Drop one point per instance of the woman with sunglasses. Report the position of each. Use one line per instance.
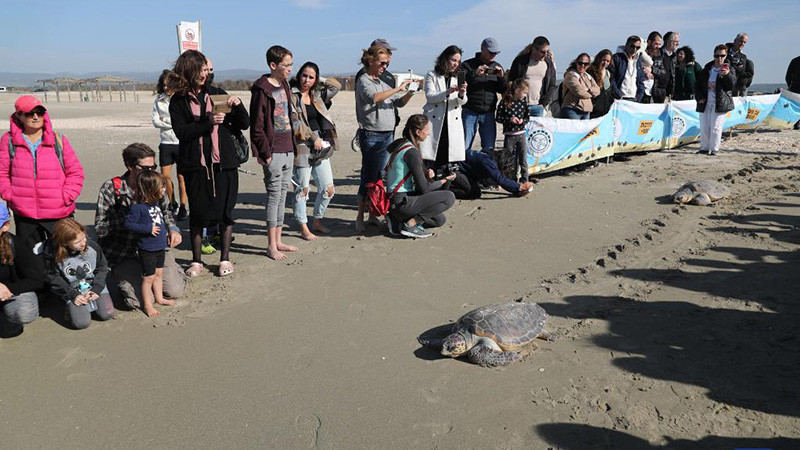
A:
(40, 175)
(207, 156)
(375, 104)
(579, 88)
(713, 92)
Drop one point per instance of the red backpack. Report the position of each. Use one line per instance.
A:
(377, 200)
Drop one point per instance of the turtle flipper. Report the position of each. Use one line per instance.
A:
(486, 356)
(702, 199)
(549, 336)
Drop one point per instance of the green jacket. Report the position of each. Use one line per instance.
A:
(685, 78)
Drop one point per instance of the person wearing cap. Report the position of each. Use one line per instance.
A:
(19, 280)
(385, 76)
(44, 179)
(484, 78)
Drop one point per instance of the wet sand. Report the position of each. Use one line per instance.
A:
(679, 322)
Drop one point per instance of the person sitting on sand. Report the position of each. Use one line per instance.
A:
(77, 270)
(316, 141)
(120, 246)
(418, 200)
(145, 219)
(19, 280)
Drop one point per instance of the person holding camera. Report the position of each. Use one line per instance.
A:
(418, 200)
(714, 95)
(445, 92)
(484, 78)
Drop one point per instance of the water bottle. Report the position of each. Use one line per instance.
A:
(84, 287)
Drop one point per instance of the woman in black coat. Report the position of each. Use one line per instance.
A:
(714, 94)
(207, 156)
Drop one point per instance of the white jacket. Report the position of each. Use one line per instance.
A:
(162, 120)
(436, 95)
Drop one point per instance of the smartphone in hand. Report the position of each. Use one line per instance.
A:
(462, 77)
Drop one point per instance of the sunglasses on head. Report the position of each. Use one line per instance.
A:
(153, 167)
(36, 112)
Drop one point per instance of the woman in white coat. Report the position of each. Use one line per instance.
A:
(445, 97)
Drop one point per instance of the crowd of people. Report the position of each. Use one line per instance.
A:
(293, 137)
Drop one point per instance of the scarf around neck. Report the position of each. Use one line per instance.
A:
(194, 102)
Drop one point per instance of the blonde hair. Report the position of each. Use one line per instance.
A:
(371, 55)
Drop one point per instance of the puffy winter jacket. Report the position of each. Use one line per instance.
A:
(724, 90)
(40, 189)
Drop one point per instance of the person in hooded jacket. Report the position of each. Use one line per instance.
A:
(19, 304)
(40, 175)
(714, 95)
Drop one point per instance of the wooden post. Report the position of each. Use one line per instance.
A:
(120, 92)
(110, 98)
(135, 93)
(124, 91)
(58, 94)
(44, 86)
(69, 92)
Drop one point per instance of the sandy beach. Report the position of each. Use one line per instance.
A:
(679, 323)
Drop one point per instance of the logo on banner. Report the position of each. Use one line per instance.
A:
(752, 114)
(595, 132)
(540, 141)
(678, 126)
(644, 126)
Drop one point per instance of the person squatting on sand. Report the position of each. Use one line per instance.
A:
(168, 147)
(376, 103)
(40, 175)
(20, 278)
(445, 94)
(579, 89)
(714, 94)
(145, 219)
(207, 157)
(76, 271)
(478, 169)
(316, 141)
(120, 246)
(419, 201)
(272, 126)
(513, 114)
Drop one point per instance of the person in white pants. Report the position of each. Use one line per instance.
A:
(714, 95)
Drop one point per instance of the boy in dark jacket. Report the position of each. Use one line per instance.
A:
(272, 135)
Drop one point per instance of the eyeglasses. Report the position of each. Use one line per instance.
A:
(153, 167)
(582, 63)
(720, 56)
(35, 112)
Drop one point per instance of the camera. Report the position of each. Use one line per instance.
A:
(491, 71)
(446, 170)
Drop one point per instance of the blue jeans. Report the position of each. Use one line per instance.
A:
(536, 110)
(484, 124)
(323, 177)
(374, 156)
(572, 113)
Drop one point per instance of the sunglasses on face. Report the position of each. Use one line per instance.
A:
(35, 112)
(141, 167)
(582, 63)
(384, 63)
(636, 47)
(720, 56)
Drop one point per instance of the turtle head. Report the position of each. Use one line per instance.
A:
(682, 196)
(455, 345)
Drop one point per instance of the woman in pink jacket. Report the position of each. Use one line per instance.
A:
(40, 175)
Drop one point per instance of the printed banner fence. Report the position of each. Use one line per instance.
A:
(555, 144)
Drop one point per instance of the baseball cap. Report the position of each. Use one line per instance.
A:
(382, 43)
(27, 103)
(491, 44)
(4, 216)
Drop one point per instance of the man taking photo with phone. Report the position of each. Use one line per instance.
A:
(484, 77)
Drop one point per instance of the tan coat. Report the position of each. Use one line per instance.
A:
(579, 90)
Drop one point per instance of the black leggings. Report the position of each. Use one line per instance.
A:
(427, 209)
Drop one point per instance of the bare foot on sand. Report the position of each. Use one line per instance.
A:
(360, 227)
(306, 234)
(166, 302)
(319, 227)
(287, 248)
(151, 312)
(275, 254)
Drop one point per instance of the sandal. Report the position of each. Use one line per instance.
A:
(225, 268)
(195, 269)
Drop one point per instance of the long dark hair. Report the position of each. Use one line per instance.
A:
(594, 67)
(441, 61)
(6, 254)
(414, 124)
(188, 68)
(296, 80)
(574, 64)
(687, 52)
(165, 80)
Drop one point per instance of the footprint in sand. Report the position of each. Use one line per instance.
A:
(434, 429)
(357, 310)
(308, 427)
(303, 359)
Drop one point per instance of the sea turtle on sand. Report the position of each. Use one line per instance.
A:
(703, 193)
(494, 334)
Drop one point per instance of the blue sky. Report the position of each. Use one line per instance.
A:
(89, 36)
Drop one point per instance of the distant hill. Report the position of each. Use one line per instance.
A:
(9, 79)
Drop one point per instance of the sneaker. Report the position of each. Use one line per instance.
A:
(206, 248)
(173, 207)
(702, 152)
(183, 214)
(713, 153)
(394, 225)
(415, 232)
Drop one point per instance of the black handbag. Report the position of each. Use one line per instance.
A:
(242, 147)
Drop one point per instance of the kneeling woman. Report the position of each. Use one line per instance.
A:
(416, 200)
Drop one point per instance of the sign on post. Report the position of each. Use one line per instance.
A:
(189, 36)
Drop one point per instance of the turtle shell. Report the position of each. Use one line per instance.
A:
(714, 189)
(511, 325)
